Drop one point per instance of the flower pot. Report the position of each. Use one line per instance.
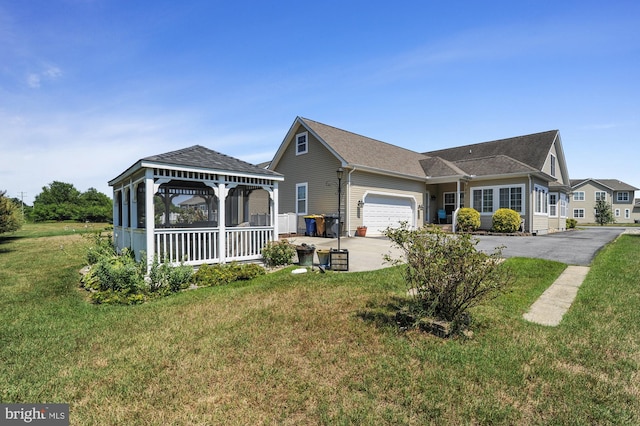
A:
(305, 255)
(361, 231)
(323, 257)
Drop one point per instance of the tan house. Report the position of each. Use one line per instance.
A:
(620, 195)
(385, 184)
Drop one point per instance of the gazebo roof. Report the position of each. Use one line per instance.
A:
(200, 158)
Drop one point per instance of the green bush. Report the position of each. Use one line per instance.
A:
(163, 277)
(446, 273)
(468, 219)
(506, 220)
(278, 253)
(101, 246)
(118, 273)
(215, 275)
(571, 223)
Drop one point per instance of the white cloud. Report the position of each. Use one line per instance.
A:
(48, 73)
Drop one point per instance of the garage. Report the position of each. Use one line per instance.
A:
(382, 211)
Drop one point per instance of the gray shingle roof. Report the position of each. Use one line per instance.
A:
(528, 149)
(498, 164)
(202, 157)
(613, 184)
(363, 151)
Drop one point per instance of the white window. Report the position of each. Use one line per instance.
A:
(578, 196)
(487, 200)
(483, 200)
(511, 198)
(617, 212)
(563, 205)
(627, 214)
(553, 165)
(578, 213)
(301, 198)
(541, 199)
(302, 143)
(623, 196)
(553, 205)
(601, 196)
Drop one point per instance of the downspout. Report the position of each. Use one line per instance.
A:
(530, 210)
(348, 207)
(454, 217)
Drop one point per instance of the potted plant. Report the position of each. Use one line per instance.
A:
(361, 231)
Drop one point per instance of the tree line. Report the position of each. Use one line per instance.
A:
(58, 201)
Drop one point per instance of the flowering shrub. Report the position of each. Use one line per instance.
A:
(278, 253)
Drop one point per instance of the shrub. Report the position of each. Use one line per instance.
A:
(118, 273)
(165, 277)
(278, 253)
(101, 246)
(571, 223)
(506, 220)
(468, 219)
(214, 275)
(447, 274)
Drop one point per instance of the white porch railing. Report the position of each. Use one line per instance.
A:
(195, 246)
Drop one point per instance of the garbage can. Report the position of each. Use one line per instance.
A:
(310, 222)
(305, 254)
(331, 225)
(320, 229)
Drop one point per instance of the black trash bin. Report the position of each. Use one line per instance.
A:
(331, 225)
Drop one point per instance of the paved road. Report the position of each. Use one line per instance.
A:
(577, 247)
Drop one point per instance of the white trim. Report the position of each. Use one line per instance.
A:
(306, 143)
(496, 197)
(541, 205)
(575, 198)
(414, 204)
(553, 164)
(576, 211)
(304, 185)
(553, 206)
(622, 199)
(595, 195)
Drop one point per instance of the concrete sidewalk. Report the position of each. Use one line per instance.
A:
(556, 300)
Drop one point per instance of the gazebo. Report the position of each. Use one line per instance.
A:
(196, 206)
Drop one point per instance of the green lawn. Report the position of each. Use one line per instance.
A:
(314, 348)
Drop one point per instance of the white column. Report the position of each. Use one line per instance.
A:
(275, 211)
(222, 227)
(149, 216)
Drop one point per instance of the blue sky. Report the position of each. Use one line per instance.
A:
(87, 87)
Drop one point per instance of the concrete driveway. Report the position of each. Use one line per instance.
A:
(577, 247)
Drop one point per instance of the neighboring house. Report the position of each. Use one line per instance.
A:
(228, 191)
(620, 195)
(385, 184)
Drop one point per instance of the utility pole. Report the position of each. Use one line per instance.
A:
(22, 194)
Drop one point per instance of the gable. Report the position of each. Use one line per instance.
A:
(528, 149)
(354, 150)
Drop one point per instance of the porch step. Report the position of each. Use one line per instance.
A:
(444, 228)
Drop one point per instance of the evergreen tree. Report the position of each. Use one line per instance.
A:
(604, 213)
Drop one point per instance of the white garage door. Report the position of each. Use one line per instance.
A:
(381, 211)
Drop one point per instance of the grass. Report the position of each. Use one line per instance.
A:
(315, 348)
